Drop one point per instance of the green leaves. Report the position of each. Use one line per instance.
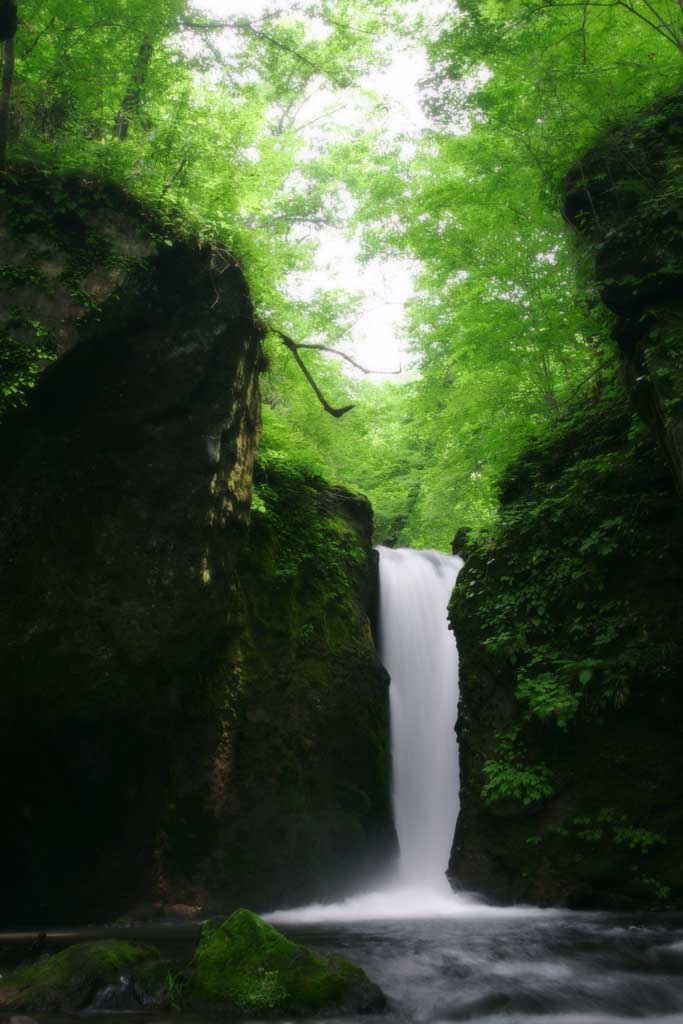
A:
(512, 776)
(568, 595)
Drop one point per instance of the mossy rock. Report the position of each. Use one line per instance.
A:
(107, 975)
(243, 965)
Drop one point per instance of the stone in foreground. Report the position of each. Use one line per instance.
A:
(108, 975)
(243, 965)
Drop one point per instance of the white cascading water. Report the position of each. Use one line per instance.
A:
(421, 656)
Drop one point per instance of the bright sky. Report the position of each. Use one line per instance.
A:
(386, 285)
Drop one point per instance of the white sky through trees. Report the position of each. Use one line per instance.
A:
(386, 284)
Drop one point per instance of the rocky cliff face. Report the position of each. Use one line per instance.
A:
(570, 632)
(300, 806)
(568, 617)
(626, 199)
(158, 715)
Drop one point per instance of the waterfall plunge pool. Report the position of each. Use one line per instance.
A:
(518, 967)
(441, 956)
(445, 956)
(489, 966)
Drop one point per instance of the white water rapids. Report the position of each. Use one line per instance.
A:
(421, 656)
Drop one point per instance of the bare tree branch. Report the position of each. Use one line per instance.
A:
(295, 346)
(343, 355)
(37, 36)
(294, 349)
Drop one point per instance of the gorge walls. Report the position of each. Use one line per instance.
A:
(625, 197)
(570, 633)
(166, 666)
(568, 616)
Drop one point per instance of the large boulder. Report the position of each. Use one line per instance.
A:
(244, 966)
(106, 975)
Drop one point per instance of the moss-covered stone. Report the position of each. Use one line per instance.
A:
(67, 244)
(625, 196)
(297, 801)
(568, 615)
(243, 965)
(569, 619)
(313, 702)
(109, 974)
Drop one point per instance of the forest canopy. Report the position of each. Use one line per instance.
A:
(260, 133)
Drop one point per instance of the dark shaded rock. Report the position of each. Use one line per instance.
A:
(193, 710)
(296, 806)
(569, 624)
(461, 542)
(106, 975)
(121, 996)
(126, 485)
(23, 951)
(625, 198)
(243, 966)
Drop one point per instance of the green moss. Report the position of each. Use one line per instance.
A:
(243, 962)
(310, 551)
(55, 212)
(305, 693)
(69, 980)
(570, 630)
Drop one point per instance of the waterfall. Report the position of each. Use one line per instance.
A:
(421, 656)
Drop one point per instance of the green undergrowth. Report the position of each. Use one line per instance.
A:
(59, 231)
(573, 601)
(566, 611)
(311, 553)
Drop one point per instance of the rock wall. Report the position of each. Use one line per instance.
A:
(625, 197)
(164, 685)
(570, 629)
(296, 799)
(568, 616)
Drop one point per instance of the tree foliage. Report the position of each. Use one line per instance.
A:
(229, 127)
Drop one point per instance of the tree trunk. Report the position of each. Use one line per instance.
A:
(6, 97)
(133, 98)
(8, 19)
